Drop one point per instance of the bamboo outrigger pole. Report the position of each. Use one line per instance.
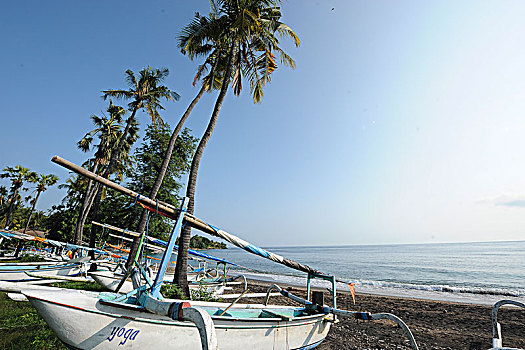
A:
(172, 212)
(164, 244)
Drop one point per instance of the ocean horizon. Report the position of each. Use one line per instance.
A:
(471, 272)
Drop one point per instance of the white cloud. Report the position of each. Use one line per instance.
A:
(506, 199)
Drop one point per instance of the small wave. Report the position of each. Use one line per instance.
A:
(384, 286)
(444, 288)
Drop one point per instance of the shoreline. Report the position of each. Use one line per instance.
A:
(436, 325)
(464, 297)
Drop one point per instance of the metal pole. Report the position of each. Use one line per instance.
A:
(155, 290)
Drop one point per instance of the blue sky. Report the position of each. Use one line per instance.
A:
(402, 123)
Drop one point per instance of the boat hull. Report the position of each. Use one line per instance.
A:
(18, 273)
(83, 322)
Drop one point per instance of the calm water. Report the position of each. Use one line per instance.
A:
(454, 271)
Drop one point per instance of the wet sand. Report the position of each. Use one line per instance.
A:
(435, 324)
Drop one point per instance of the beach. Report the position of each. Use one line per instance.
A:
(436, 325)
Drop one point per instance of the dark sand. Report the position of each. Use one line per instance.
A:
(435, 324)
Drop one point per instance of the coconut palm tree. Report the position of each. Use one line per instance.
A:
(75, 187)
(18, 175)
(249, 29)
(108, 131)
(146, 93)
(44, 181)
(210, 75)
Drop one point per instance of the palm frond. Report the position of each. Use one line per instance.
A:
(117, 94)
(130, 78)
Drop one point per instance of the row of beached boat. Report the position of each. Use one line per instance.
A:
(136, 315)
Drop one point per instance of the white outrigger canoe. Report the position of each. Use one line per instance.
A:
(82, 321)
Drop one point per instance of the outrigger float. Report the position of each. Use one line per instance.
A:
(144, 319)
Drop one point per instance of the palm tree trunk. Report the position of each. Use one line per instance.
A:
(11, 205)
(79, 229)
(95, 217)
(84, 212)
(162, 172)
(31, 212)
(181, 269)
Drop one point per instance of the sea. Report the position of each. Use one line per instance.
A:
(476, 273)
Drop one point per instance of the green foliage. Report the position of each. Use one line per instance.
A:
(119, 209)
(60, 223)
(200, 242)
(172, 291)
(22, 328)
(10, 202)
(18, 216)
(149, 157)
(92, 286)
(17, 176)
(203, 293)
(45, 181)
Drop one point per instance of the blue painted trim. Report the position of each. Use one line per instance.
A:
(194, 252)
(155, 290)
(256, 250)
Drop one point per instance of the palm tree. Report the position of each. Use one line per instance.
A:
(212, 80)
(75, 186)
(108, 130)
(43, 182)
(18, 175)
(146, 93)
(248, 29)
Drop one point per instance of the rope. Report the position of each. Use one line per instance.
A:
(122, 238)
(146, 235)
(135, 202)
